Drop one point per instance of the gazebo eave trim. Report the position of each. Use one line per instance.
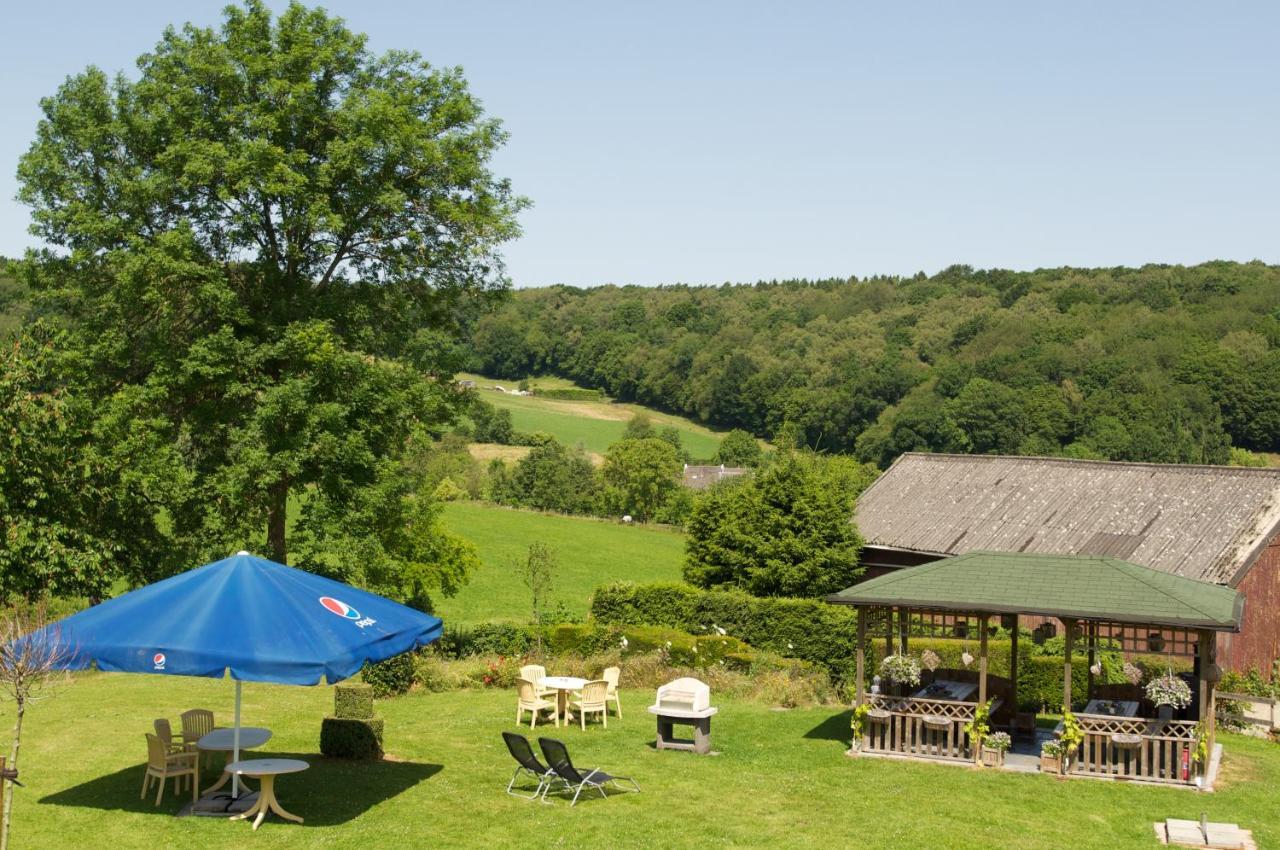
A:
(1059, 613)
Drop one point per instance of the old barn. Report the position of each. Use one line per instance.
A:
(1211, 523)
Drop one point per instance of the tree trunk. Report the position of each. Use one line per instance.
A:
(13, 764)
(277, 512)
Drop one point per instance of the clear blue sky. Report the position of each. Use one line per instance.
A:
(704, 142)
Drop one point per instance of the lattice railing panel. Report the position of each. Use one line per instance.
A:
(1137, 748)
(924, 728)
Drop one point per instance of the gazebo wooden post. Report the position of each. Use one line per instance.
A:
(904, 625)
(982, 659)
(888, 646)
(1069, 637)
(1013, 664)
(862, 653)
(1207, 653)
(1091, 637)
(982, 679)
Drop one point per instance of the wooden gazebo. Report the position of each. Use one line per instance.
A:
(1097, 600)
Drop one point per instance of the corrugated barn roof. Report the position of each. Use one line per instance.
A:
(1201, 522)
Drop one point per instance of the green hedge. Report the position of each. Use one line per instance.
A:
(570, 394)
(485, 639)
(1040, 682)
(353, 701)
(681, 647)
(807, 629)
(390, 677)
(342, 737)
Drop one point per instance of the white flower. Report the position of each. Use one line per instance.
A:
(721, 631)
(695, 648)
(668, 644)
(790, 645)
(721, 662)
(624, 641)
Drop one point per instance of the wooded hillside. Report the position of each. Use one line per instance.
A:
(1159, 363)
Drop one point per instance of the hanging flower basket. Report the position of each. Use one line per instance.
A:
(1169, 690)
(901, 670)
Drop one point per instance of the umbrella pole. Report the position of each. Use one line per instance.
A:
(235, 743)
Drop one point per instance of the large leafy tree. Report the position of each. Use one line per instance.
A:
(553, 477)
(261, 246)
(786, 531)
(640, 476)
(72, 515)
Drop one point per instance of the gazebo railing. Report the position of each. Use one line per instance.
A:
(912, 726)
(1137, 748)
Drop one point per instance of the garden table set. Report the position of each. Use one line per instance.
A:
(266, 770)
(564, 686)
(224, 741)
(947, 689)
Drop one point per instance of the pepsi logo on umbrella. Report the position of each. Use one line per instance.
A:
(158, 660)
(339, 607)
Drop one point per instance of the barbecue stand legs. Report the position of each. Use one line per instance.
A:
(701, 742)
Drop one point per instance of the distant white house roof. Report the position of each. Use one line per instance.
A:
(1201, 522)
(702, 477)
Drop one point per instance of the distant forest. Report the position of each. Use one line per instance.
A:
(1159, 363)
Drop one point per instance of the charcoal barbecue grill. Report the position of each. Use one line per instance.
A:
(684, 702)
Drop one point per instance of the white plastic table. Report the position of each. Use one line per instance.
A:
(223, 741)
(563, 686)
(267, 770)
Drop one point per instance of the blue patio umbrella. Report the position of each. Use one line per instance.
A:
(259, 620)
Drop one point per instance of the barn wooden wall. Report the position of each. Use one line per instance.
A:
(1258, 644)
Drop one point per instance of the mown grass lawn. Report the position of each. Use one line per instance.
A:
(782, 780)
(592, 552)
(594, 424)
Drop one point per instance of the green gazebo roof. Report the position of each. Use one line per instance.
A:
(1068, 586)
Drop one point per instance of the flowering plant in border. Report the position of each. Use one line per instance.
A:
(1169, 689)
(901, 670)
(1052, 749)
(998, 741)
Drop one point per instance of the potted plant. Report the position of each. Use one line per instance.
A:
(901, 670)
(858, 725)
(1070, 739)
(1051, 757)
(1168, 692)
(994, 746)
(978, 728)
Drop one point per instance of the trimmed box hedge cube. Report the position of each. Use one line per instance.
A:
(353, 701)
(343, 737)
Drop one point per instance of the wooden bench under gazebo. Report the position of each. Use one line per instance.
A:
(1098, 601)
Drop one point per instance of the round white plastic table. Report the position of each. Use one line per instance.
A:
(267, 770)
(223, 741)
(563, 685)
